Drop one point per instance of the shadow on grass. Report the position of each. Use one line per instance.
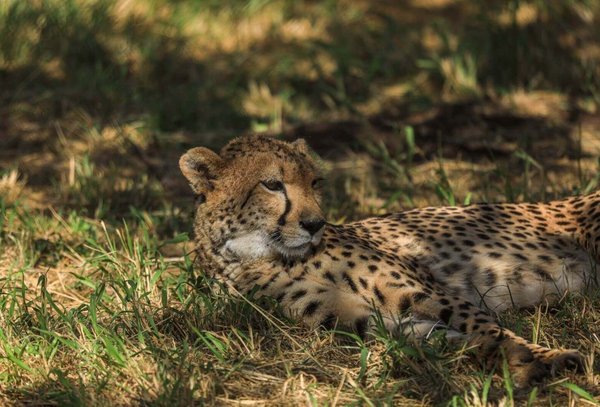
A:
(71, 72)
(60, 389)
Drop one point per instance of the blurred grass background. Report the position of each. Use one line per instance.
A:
(113, 86)
(409, 103)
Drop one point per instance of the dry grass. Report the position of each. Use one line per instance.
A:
(427, 103)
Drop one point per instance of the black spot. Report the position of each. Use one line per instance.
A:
(298, 294)
(361, 325)
(404, 304)
(372, 268)
(543, 274)
(451, 268)
(379, 295)
(329, 277)
(317, 264)
(311, 308)
(545, 258)
(520, 256)
(350, 282)
(464, 305)
(200, 199)
(363, 282)
(465, 257)
(268, 283)
(329, 322)
(445, 315)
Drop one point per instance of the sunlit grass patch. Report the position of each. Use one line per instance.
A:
(11, 186)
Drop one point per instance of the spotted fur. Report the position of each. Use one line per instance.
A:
(455, 267)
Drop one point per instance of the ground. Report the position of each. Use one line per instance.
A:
(429, 103)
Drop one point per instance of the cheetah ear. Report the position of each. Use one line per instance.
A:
(200, 166)
(301, 145)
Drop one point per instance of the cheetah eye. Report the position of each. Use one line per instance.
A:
(318, 183)
(273, 185)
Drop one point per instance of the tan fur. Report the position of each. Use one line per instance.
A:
(449, 266)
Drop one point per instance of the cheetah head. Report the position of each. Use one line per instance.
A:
(258, 198)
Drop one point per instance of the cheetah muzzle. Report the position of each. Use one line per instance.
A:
(259, 225)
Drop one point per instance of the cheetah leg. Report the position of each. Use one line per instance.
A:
(417, 328)
(528, 362)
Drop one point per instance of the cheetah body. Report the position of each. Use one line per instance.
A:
(440, 266)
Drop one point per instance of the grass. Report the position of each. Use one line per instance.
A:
(424, 103)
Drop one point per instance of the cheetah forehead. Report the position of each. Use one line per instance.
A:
(261, 148)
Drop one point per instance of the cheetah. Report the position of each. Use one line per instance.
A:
(259, 226)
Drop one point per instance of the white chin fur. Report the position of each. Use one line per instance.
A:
(255, 245)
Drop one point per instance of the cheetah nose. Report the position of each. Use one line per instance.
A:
(312, 226)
